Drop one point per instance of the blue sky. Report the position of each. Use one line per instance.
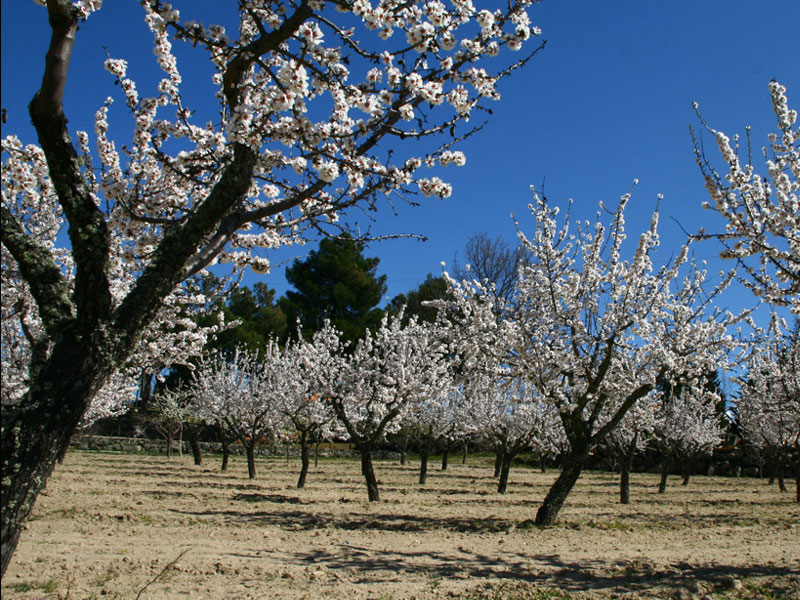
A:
(606, 102)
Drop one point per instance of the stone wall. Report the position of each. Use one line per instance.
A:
(159, 446)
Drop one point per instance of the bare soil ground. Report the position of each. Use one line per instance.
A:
(110, 524)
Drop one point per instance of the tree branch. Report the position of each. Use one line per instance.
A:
(41, 273)
(88, 230)
(169, 265)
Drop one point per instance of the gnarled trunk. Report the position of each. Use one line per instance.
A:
(36, 433)
(573, 465)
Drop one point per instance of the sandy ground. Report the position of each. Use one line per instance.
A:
(110, 524)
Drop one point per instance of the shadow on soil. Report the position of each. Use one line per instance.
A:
(364, 565)
(301, 520)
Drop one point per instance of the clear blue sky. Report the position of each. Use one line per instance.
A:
(607, 101)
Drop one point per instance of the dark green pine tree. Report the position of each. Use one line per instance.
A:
(260, 319)
(336, 282)
(433, 288)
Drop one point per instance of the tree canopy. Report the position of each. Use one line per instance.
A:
(335, 283)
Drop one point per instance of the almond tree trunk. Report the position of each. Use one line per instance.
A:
(498, 462)
(368, 472)
(250, 449)
(573, 465)
(505, 467)
(666, 466)
(424, 451)
(304, 459)
(36, 433)
(193, 432)
(625, 472)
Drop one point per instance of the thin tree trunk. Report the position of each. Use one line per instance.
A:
(687, 471)
(250, 448)
(445, 456)
(424, 451)
(505, 467)
(666, 466)
(543, 462)
(797, 479)
(780, 473)
(180, 440)
(226, 452)
(464, 455)
(304, 459)
(169, 442)
(403, 449)
(624, 485)
(369, 475)
(145, 391)
(498, 462)
(316, 454)
(573, 465)
(194, 442)
(625, 471)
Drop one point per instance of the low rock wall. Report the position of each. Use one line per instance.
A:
(159, 446)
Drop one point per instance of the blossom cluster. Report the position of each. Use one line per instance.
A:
(761, 212)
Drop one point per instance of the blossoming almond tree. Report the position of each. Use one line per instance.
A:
(631, 436)
(371, 387)
(435, 420)
(510, 417)
(686, 427)
(768, 407)
(597, 332)
(594, 333)
(761, 212)
(241, 392)
(308, 111)
(308, 416)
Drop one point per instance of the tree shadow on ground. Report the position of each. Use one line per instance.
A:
(364, 565)
(302, 520)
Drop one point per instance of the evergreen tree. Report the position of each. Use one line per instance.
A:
(433, 288)
(338, 283)
(260, 319)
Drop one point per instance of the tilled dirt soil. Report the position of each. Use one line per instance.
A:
(137, 526)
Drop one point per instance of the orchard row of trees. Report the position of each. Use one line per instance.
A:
(320, 106)
(586, 351)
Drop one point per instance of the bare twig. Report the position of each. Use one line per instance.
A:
(169, 565)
